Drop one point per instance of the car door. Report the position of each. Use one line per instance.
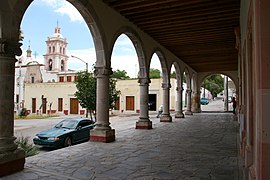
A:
(83, 130)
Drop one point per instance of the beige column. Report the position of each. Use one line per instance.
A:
(102, 131)
(12, 159)
(166, 117)
(144, 122)
(179, 103)
(188, 110)
(196, 106)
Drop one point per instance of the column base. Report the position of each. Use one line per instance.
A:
(144, 125)
(102, 135)
(179, 115)
(196, 110)
(166, 118)
(11, 162)
(188, 113)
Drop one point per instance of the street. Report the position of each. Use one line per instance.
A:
(30, 127)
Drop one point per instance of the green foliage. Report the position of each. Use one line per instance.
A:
(118, 74)
(173, 74)
(154, 73)
(86, 90)
(214, 83)
(113, 93)
(29, 148)
(86, 85)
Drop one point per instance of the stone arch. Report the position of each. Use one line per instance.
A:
(188, 79)
(164, 67)
(231, 75)
(178, 73)
(138, 45)
(90, 17)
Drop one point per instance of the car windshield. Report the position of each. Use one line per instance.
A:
(70, 124)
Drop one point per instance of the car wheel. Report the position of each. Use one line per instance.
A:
(67, 142)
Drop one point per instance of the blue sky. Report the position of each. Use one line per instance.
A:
(39, 22)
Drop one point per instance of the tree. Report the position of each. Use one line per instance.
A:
(154, 73)
(173, 74)
(86, 91)
(120, 74)
(86, 84)
(214, 83)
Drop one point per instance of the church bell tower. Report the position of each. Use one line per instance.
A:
(56, 58)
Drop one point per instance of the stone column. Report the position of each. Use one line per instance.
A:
(179, 103)
(102, 131)
(12, 159)
(144, 122)
(166, 117)
(188, 110)
(196, 106)
(226, 108)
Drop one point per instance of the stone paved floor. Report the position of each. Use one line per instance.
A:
(202, 146)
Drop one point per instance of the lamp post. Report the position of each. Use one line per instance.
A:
(86, 64)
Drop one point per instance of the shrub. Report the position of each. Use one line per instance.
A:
(29, 148)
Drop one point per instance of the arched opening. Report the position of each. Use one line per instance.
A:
(125, 67)
(53, 50)
(155, 91)
(217, 92)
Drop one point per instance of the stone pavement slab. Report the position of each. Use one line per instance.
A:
(202, 146)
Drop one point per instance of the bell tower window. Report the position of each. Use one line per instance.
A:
(50, 64)
(62, 65)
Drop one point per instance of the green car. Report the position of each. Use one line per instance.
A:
(204, 101)
(65, 133)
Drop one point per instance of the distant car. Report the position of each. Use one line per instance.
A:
(204, 101)
(65, 133)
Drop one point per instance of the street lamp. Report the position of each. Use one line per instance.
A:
(86, 64)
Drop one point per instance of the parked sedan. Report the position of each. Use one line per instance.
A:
(204, 101)
(65, 133)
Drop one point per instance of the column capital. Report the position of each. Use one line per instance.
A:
(180, 89)
(10, 48)
(144, 81)
(102, 71)
(166, 85)
(189, 91)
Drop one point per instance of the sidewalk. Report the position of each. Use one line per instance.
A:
(202, 146)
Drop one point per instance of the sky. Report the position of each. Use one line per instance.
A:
(40, 20)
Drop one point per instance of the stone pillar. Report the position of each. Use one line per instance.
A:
(188, 110)
(179, 103)
(166, 117)
(144, 122)
(196, 106)
(226, 108)
(12, 159)
(102, 131)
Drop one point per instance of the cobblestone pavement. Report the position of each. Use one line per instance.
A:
(198, 147)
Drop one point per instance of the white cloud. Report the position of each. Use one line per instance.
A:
(64, 8)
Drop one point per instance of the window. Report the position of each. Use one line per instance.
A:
(60, 50)
(53, 49)
(68, 78)
(50, 49)
(50, 64)
(62, 65)
(61, 79)
(32, 79)
(75, 78)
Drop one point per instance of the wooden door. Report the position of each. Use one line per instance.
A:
(34, 105)
(117, 104)
(60, 104)
(74, 106)
(130, 103)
